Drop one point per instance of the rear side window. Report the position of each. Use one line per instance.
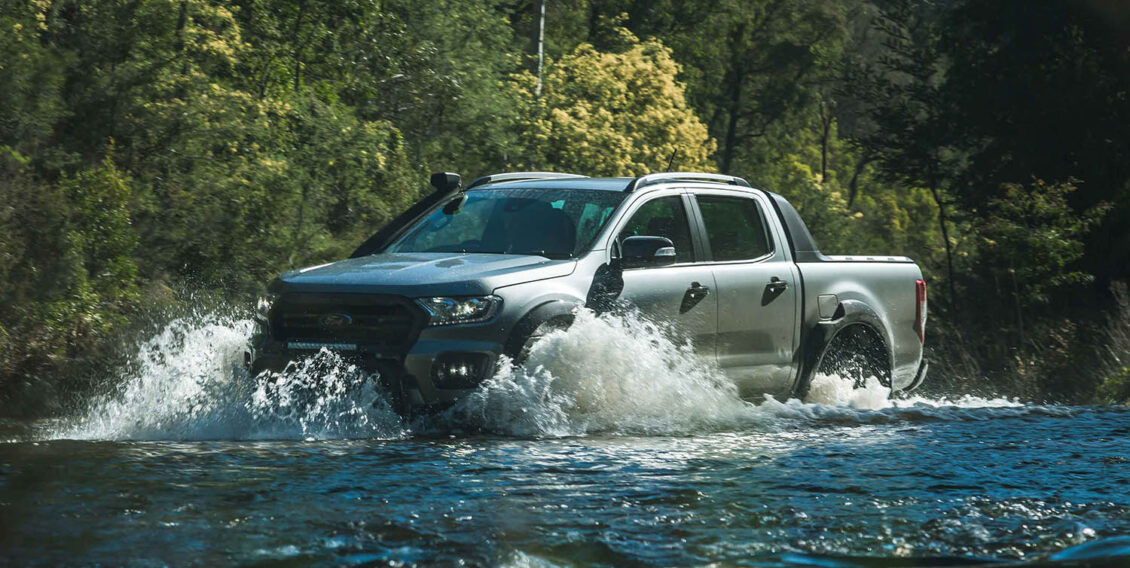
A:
(663, 217)
(734, 226)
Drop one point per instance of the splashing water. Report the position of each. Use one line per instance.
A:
(323, 397)
(188, 382)
(850, 477)
(624, 375)
(605, 374)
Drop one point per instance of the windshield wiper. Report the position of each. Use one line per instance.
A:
(549, 255)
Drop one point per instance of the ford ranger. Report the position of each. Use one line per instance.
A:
(432, 300)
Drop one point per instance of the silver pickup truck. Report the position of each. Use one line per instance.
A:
(471, 273)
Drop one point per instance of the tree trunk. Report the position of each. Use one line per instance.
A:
(182, 21)
(942, 222)
(298, 48)
(825, 135)
(539, 41)
(853, 185)
(733, 99)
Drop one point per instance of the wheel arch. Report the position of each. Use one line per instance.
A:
(849, 314)
(548, 311)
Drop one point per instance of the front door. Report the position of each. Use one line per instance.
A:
(680, 295)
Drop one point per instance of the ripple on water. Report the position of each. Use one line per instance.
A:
(612, 445)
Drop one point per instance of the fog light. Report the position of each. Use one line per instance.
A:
(460, 370)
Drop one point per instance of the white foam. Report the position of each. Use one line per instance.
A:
(187, 383)
(604, 375)
(623, 375)
(833, 390)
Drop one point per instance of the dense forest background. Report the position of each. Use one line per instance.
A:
(154, 149)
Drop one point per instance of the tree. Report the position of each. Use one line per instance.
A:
(1040, 89)
(1029, 240)
(67, 276)
(31, 80)
(431, 69)
(613, 114)
(912, 135)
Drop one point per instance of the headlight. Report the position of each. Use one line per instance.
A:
(449, 311)
(264, 304)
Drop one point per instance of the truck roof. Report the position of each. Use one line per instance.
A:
(606, 184)
(532, 180)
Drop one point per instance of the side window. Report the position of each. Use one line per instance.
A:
(663, 217)
(734, 227)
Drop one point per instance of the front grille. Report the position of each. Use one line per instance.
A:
(384, 323)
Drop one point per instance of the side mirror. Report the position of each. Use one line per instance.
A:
(647, 251)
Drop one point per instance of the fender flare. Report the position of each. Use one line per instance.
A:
(848, 313)
(540, 314)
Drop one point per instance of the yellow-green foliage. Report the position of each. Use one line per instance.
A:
(1116, 388)
(69, 279)
(823, 205)
(612, 114)
(884, 218)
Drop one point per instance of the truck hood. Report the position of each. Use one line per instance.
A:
(423, 274)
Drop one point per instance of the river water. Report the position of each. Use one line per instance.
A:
(613, 446)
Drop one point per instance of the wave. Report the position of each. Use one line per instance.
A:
(188, 383)
(614, 375)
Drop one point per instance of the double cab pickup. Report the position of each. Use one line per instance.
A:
(473, 272)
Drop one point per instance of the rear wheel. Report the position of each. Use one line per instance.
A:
(856, 354)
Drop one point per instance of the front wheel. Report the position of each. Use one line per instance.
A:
(521, 350)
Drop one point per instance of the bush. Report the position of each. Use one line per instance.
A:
(612, 114)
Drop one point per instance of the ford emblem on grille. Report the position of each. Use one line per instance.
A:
(335, 321)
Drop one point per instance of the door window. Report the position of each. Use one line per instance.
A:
(663, 217)
(734, 227)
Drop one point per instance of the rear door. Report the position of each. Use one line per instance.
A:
(757, 290)
(682, 294)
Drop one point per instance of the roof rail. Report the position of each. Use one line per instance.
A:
(652, 179)
(514, 176)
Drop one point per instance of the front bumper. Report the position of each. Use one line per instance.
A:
(410, 377)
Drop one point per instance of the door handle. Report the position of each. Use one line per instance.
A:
(776, 285)
(697, 291)
(694, 295)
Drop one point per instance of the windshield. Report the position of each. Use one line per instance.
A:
(554, 223)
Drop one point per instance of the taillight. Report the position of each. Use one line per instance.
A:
(920, 309)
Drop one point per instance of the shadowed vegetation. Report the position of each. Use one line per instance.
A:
(160, 145)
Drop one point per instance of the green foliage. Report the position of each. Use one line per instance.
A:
(748, 64)
(145, 144)
(612, 114)
(1031, 238)
(434, 69)
(30, 76)
(67, 276)
(101, 231)
(1116, 388)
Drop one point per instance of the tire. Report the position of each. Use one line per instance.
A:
(521, 350)
(856, 353)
